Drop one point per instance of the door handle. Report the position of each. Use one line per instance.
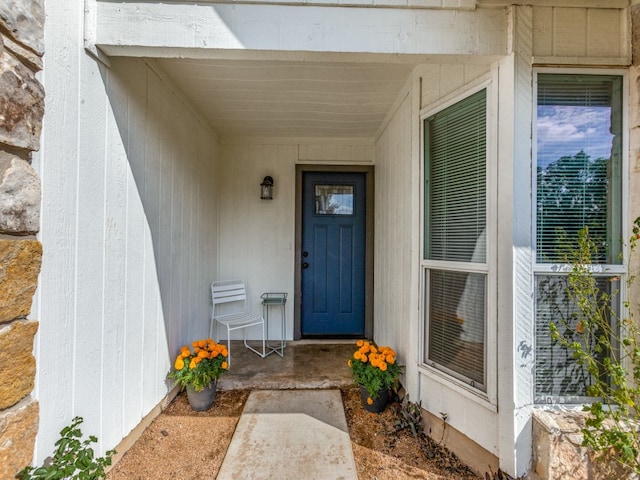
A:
(305, 265)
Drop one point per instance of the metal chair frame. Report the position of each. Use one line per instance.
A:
(231, 295)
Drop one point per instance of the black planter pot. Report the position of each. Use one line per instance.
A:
(203, 399)
(379, 403)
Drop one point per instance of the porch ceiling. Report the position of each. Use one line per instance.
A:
(289, 98)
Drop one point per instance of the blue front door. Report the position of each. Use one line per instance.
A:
(333, 254)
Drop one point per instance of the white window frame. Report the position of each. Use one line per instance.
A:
(487, 398)
(540, 269)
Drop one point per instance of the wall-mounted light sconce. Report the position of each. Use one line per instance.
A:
(266, 188)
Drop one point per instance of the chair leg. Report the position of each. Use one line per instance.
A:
(228, 347)
(264, 351)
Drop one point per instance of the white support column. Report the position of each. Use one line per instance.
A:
(515, 312)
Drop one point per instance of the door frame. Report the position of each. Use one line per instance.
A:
(368, 170)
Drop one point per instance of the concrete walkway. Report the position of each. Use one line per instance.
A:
(291, 435)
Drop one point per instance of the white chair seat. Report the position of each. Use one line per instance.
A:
(231, 310)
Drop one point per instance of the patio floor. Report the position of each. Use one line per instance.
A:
(306, 365)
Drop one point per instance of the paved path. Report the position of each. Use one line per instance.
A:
(291, 435)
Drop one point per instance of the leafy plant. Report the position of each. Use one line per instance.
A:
(607, 345)
(409, 415)
(72, 458)
(198, 368)
(375, 368)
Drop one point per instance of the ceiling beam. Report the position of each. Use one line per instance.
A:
(247, 31)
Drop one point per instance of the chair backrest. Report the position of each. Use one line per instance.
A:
(229, 298)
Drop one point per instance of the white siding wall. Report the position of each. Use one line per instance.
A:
(129, 230)
(580, 35)
(395, 269)
(257, 237)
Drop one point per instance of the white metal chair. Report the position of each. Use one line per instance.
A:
(231, 310)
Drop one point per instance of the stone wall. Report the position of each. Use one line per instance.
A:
(21, 111)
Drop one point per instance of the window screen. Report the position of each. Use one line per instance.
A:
(559, 378)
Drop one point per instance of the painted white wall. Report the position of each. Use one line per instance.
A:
(129, 230)
(395, 237)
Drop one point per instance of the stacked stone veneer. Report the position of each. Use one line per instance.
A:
(558, 451)
(21, 111)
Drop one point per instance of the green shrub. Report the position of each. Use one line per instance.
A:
(607, 345)
(72, 458)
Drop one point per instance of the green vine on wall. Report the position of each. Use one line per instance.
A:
(606, 344)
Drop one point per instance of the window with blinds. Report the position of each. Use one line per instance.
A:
(579, 145)
(578, 184)
(455, 167)
(455, 180)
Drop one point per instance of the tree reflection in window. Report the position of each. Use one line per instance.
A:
(334, 199)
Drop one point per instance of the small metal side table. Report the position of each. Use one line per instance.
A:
(275, 299)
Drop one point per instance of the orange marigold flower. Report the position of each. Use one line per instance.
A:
(202, 343)
(193, 364)
(357, 355)
(364, 349)
(179, 363)
(203, 354)
(225, 365)
(194, 344)
(349, 363)
(369, 401)
(373, 349)
(390, 359)
(383, 366)
(359, 343)
(364, 358)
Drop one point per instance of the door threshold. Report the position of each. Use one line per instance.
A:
(323, 341)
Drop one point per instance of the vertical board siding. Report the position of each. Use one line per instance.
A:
(580, 32)
(393, 234)
(438, 81)
(129, 232)
(55, 375)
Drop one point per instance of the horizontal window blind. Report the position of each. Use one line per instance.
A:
(455, 180)
(578, 165)
(456, 335)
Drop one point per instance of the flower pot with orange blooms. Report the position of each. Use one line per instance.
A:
(197, 370)
(375, 370)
